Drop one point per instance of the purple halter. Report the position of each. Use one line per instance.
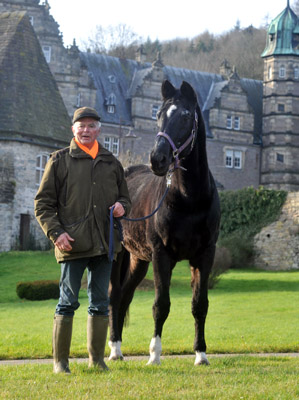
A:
(176, 151)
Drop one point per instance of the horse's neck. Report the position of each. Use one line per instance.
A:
(194, 179)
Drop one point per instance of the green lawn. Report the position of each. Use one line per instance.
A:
(250, 311)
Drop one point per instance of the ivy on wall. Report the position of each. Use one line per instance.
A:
(249, 209)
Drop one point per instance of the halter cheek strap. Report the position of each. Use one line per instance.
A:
(176, 151)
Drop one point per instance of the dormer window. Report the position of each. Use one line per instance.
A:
(31, 19)
(112, 78)
(47, 53)
(111, 103)
(282, 72)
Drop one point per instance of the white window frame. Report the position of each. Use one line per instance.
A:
(155, 110)
(237, 123)
(41, 161)
(47, 50)
(270, 72)
(111, 109)
(233, 159)
(112, 144)
(296, 73)
(31, 19)
(229, 122)
(282, 71)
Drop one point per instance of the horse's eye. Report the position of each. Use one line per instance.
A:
(186, 113)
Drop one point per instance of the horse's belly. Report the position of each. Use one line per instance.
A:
(135, 242)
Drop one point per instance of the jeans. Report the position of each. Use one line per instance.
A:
(98, 277)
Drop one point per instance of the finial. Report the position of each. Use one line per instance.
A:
(288, 3)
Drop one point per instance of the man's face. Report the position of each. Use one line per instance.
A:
(86, 130)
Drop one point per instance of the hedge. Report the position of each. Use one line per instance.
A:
(38, 290)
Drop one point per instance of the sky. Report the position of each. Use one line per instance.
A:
(161, 19)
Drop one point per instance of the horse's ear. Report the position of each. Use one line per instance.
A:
(188, 91)
(167, 90)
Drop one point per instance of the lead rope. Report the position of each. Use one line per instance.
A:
(119, 226)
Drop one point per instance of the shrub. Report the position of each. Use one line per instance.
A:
(38, 290)
(222, 263)
(243, 214)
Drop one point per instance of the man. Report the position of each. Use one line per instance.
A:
(80, 185)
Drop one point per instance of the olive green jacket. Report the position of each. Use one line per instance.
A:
(74, 196)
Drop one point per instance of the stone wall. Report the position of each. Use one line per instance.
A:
(277, 245)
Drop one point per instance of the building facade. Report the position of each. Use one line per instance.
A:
(252, 126)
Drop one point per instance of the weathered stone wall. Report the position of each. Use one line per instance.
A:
(277, 245)
(17, 191)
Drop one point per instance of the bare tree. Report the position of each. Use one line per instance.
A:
(116, 40)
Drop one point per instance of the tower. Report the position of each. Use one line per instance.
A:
(280, 152)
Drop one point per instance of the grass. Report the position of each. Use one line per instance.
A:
(227, 378)
(250, 311)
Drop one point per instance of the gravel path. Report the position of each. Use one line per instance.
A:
(145, 358)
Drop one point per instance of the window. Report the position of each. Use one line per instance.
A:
(155, 109)
(47, 53)
(78, 100)
(280, 157)
(237, 123)
(112, 144)
(281, 107)
(282, 72)
(233, 159)
(229, 122)
(111, 109)
(296, 73)
(270, 72)
(41, 161)
(31, 19)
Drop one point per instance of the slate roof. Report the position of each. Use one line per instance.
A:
(31, 107)
(123, 78)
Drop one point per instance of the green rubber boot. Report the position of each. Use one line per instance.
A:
(97, 326)
(62, 336)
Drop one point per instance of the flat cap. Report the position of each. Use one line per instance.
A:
(85, 112)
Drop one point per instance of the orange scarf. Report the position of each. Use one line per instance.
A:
(93, 151)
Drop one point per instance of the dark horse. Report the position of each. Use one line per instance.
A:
(184, 228)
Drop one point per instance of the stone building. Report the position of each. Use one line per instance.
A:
(33, 123)
(252, 126)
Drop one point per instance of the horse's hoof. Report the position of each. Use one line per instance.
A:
(153, 362)
(115, 353)
(201, 359)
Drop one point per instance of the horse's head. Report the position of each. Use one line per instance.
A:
(177, 123)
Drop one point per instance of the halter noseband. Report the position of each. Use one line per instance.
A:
(176, 151)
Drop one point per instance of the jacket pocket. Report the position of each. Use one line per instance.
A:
(80, 231)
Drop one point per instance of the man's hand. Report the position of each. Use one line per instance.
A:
(63, 242)
(118, 210)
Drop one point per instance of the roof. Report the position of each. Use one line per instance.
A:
(123, 78)
(281, 34)
(31, 107)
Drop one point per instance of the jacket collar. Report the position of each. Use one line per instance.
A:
(76, 152)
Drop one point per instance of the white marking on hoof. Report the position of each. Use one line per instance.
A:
(201, 358)
(115, 353)
(155, 351)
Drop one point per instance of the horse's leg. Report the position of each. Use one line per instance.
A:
(200, 270)
(119, 268)
(162, 267)
(137, 271)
